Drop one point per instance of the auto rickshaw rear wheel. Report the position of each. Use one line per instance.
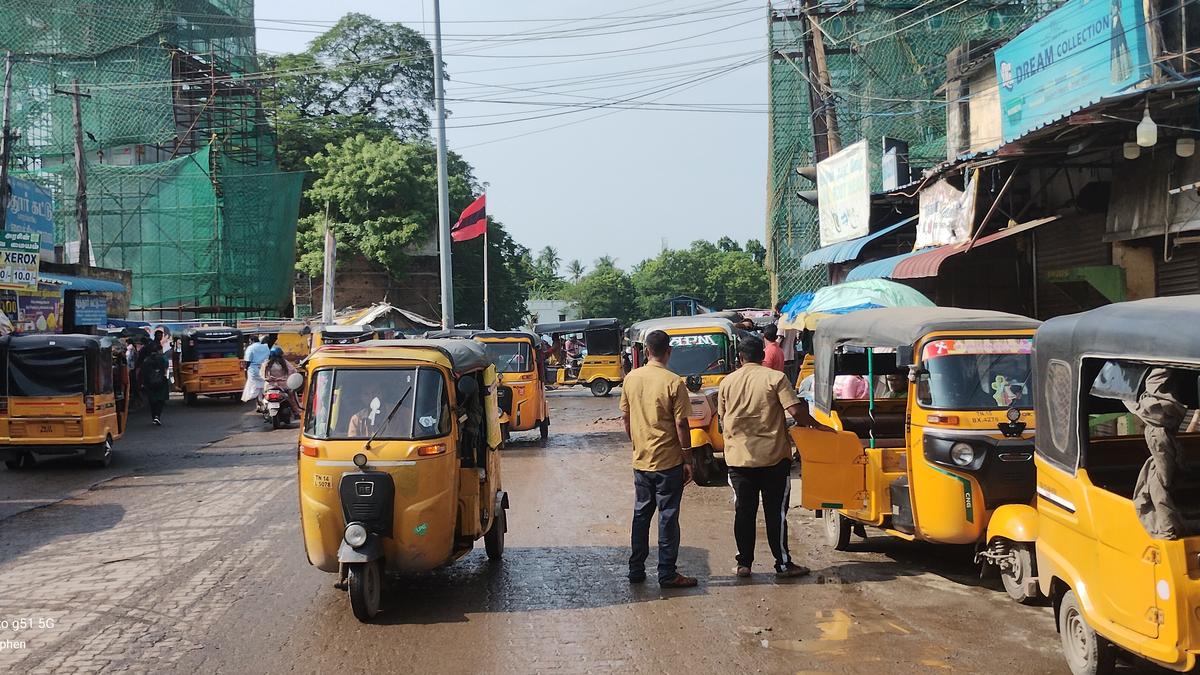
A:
(189, 398)
(22, 462)
(600, 387)
(100, 456)
(493, 541)
(1087, 653)
(837, 529)
(1018, 570)
(364, 584)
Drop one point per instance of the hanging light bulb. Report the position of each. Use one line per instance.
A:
(1185, 147)
(1132, 151)
(1147, 130)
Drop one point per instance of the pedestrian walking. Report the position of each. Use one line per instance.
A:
(751, 403)
(655, 406)
(256, 355)
(773, 352)
(152, 368)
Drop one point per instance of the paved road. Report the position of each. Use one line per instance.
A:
(185, 556)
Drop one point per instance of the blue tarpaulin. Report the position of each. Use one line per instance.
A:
(847, 250)
(880, 269)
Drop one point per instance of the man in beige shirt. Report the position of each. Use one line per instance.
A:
(655, 406)
(751, 403)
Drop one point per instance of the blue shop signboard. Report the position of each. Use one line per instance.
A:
(90, 310)
(31, 209)
(1075, 56)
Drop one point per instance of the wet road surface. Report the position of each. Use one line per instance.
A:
(185, 556)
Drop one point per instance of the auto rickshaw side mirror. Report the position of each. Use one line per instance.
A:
(904, 356)
(295, 381)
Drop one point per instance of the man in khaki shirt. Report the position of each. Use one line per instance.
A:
(751, 403)
(655, 406)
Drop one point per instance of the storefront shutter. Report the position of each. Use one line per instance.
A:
(1181, 274)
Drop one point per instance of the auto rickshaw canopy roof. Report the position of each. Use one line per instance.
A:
(577, 326)
(471, 333)
(353, 329)
(894, 328)
(1141, 328)
(212, 333)
(638, 331)
(462, 356)
(20, 343)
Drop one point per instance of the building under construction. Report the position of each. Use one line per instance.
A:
(182, 183)
(861, 69)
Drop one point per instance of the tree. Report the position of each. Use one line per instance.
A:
(721, 275)
(574, 271)
(727, 244)
(382, 199)
(546, 283)
(548, 258)
(758, 252)
(606, 291)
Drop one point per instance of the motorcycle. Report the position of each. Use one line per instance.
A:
(277, 408)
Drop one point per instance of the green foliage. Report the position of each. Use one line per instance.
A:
(605, 291)
(545, 282)
(508, 280)
(382, 197)
(574, 271)
(723, 275)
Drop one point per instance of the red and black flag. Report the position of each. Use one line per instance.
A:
(473, 221)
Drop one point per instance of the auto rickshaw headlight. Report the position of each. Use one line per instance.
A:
(360, 460)
(355, 535)
(962, 454)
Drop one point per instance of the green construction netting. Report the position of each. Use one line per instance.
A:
(191, 241)
(887, 60)
(166, 82)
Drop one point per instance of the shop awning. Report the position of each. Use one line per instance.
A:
(882, 269)
(80, 283)
(928, 261)
(847, 250)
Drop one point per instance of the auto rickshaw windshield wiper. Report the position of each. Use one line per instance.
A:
(387, 420)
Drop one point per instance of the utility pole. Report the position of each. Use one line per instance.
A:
(443, 190)
(327, 298)
(81, 213)
(6, 140)
(820, 66)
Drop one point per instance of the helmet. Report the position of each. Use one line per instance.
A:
(276, 351)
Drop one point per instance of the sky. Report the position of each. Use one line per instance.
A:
(647, 126)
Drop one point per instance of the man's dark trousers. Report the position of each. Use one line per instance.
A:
(661, 490)
(774, 484)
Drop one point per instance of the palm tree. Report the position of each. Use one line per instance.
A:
(605, 261)
(575, 270)
(548, 257)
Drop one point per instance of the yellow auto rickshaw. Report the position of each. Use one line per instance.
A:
(207, 362)
(521, 367)
(703, 352)
(1117, 515)
(338, 334)
(597, 366)
(64, 396)
(398, 463)
(932, 414)
(294, 337)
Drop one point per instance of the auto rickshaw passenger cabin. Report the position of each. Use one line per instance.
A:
(63, 396)
(932, 408)
(600, 368)
(207, 362)
(520, 362)
(399, 468)
(1118, 414)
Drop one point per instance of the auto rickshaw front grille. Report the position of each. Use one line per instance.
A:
(504, 398)
(368, 497)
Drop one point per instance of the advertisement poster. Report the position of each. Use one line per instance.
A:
(91, 310)
(8, 305)
(40, 312)
(19, 254)
(31, 209)
(947, 214)
(844, 194)
(1080, 53)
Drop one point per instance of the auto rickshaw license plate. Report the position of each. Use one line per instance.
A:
(47, 429)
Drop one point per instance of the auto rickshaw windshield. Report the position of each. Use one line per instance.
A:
(701, 354)
(977, 374)
(354, 403)
(510, 357)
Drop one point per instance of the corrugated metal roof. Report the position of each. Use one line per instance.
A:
(847, 250)
(881, 269)
(81, 283)
(928, 263)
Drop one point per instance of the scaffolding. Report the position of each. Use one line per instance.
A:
(887, 63)
(183, 185)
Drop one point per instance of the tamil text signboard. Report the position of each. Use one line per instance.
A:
(1080, 53)
(90, 310)
(40, 311)
(844, 194)
(19, 252)
(31, 209)
(946, 215)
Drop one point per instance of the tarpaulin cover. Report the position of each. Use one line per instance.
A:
(851, 297)
(847, 250)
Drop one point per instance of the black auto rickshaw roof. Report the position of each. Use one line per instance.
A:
(474, 333)
(893, 328)
(1152, 327)
(577, 326)
(21, 343)
(212, 333)
(638, 331)
(464, 355)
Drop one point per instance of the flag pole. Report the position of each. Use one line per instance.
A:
(485, 276)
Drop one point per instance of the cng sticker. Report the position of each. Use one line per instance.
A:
(693, 341)
(421, 529)
(322, 481)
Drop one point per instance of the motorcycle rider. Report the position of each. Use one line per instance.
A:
(275, 372)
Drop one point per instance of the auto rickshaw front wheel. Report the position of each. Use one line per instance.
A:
(600, 387)
(837, 529)
(493, 541)
(364, 583)
(544, 429)
(1087, 653)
